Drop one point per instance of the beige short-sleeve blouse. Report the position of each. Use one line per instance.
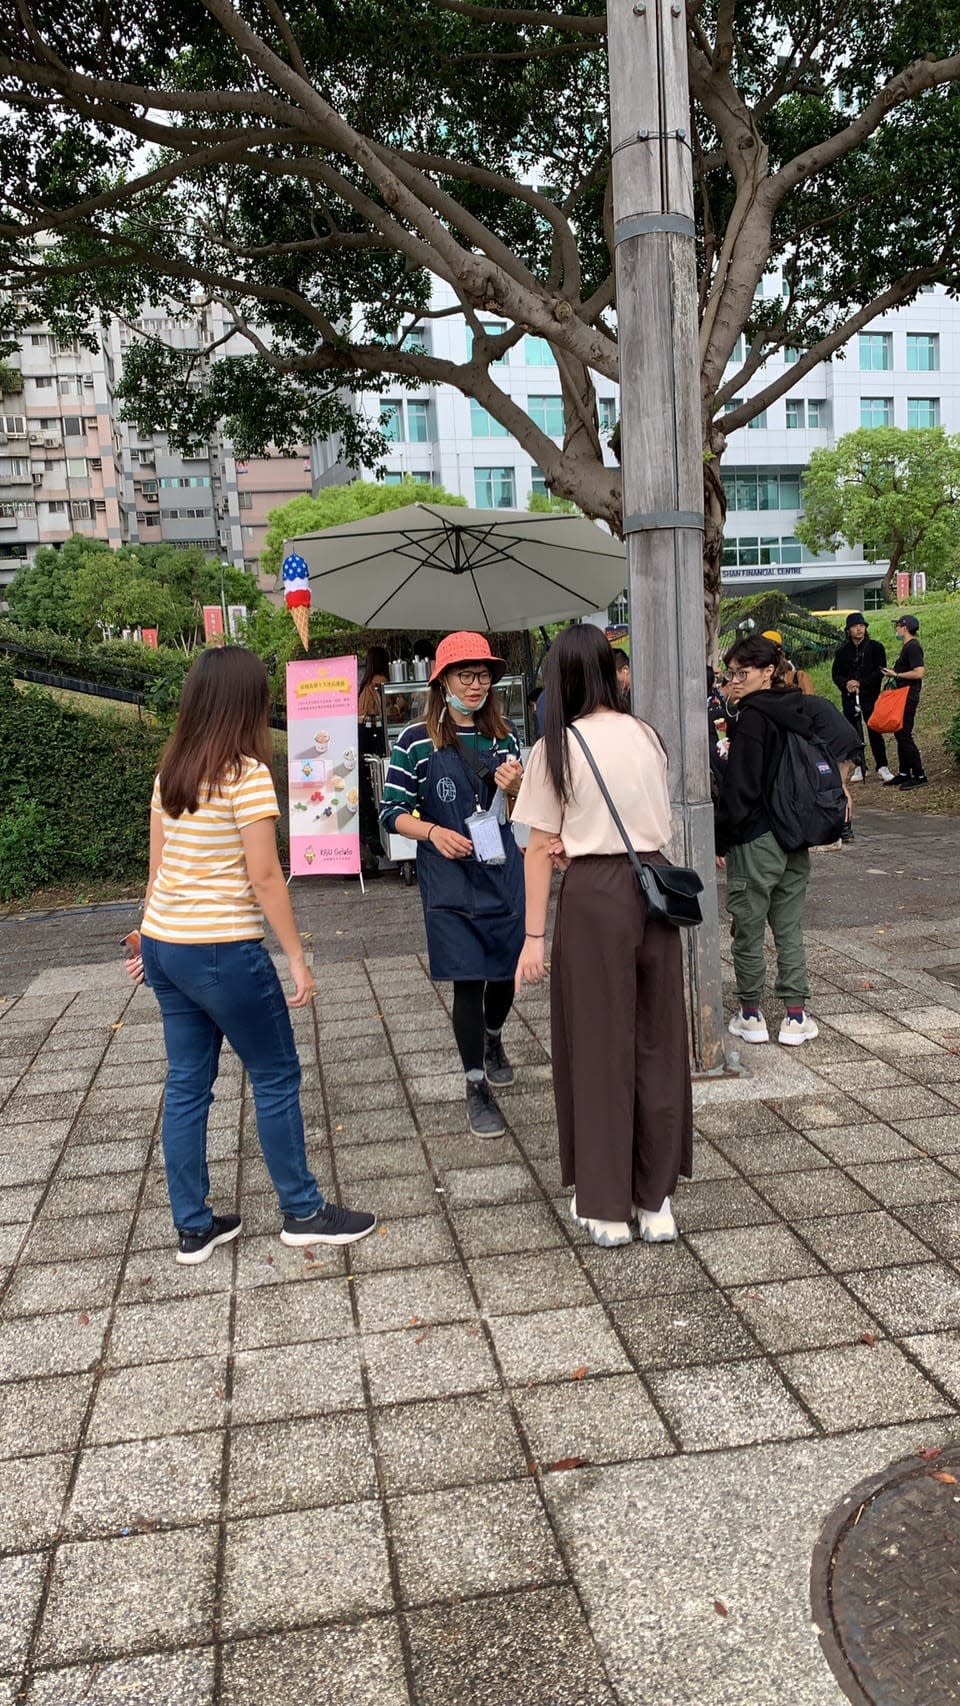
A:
(632, 763)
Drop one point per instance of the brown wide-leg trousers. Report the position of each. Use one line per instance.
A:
(621, 1062)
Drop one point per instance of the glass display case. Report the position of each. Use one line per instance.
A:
(405, 702)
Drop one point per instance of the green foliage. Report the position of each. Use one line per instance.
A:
(806, 638)
(11, 380)
(895, 492)
(542, 503)
(74, 793)
(335, 505)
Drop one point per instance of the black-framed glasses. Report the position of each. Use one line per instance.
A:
(473, 677)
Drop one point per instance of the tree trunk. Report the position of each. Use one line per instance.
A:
(715, 515)
(890, 578)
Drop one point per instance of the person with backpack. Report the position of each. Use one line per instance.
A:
(781, 794)
(858, 674)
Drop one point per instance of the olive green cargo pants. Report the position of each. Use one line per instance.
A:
(765, 885)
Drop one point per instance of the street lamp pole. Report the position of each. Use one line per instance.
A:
(661, 444)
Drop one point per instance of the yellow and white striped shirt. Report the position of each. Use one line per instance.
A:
(202, 892)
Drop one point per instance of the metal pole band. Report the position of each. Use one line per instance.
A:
(650, 520)
(642, 224)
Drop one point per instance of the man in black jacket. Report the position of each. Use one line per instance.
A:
(858, 672)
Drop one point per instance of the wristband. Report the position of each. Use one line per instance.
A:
(431, 830)
(532, 938)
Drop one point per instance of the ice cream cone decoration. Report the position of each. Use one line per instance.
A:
(296, 592)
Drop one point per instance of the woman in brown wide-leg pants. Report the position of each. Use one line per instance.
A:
(619, 1043)
(621, 1068)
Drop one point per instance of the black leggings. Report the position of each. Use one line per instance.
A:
(478, 1007)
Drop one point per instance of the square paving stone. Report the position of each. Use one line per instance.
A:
(938, 1224)
(17, 1203)
(427, 1362)
(149, 1275)
(899, 1182)
(265, 1261)
(910, 1300)
(499, 1230)
(709, 1203)
(606, 1420)
(272, 1385)
(129, 1595)
(450, 1442)
(852, 1240)
(722, 1119)
(472, 1540)
(150, 1399)
(43, 1415)
(21, 1579)
(807, 1196)
(58, 1105)
(89, 1235)
(11, 1238)
(909, 1102)
(509, 1183)
(870, 1142)
(280, 1571)
(863, 1386)
(747, 1254)
(413, 1297)
(293, 1314)
(171, 1480)
(160, 1332)
(183, 1678)
(555, 1344)
(301, 1464)
(51, 1344)
(939, 1354)
(933, 1136)
(727, 1404)
(763, 1154)
(31, 1499)
(531, 1649)
(29, 1167)
(554, 1279)
(460, 1149)
(669, 1332)
(405, 1243)
(348, 1665)
(373, 1126)
(82, 1160)
(792, 1315)
(643, 1270)
(41, 1288)
(369, 1161)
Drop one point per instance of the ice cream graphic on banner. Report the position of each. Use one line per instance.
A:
(296, 592)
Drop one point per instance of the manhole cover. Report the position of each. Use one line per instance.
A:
(885, 1586)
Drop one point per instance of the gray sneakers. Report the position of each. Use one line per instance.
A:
(483, 1116)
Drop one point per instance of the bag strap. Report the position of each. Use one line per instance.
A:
(601, 784)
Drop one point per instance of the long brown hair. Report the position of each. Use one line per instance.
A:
(224, 718)
(442, 729)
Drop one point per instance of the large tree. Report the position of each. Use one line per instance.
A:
(314, 166)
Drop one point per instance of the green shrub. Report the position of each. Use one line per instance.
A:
(74, 792)
(951, 739)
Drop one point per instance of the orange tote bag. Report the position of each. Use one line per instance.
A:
(888, 713)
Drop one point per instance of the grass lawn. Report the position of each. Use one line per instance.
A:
(940, 637)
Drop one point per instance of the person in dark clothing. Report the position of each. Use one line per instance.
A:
(909, 667)
(764, 883)
(858, 673)
(842, 741)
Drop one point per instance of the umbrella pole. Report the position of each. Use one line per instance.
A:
(662, 454)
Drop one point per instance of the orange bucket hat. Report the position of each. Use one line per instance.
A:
(464, 647)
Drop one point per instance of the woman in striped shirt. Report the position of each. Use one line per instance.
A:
(214, 876)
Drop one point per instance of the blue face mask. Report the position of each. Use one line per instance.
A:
(466, 710)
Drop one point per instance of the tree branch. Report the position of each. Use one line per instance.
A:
(508, 15)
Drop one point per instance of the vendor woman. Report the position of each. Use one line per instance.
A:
(453, 770)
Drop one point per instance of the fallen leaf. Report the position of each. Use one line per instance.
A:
(928, 1452)
(532, 1466)
(382, 1231)
(868, 1338)
(419, 1338)
(414, 1321)
(568, 1463)
(719, 1608)
(866, 985)
(118, 1026)
(579, 1373)
(83, 1318)
(945, 1476)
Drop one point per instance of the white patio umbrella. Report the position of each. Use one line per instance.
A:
(436, 566)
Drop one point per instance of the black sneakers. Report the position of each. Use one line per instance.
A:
(483, 1116)
(495, 1063)
(896, 781)
(330, 1225)
(199, 1246)
(913, 782)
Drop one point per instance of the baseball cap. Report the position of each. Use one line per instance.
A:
(911, 623)
(772, 634)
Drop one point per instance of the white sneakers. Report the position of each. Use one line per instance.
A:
(857, 775)
(885, 773)
(655, 1227)
(798, 1030)
(606, 1233)
(754, 1030)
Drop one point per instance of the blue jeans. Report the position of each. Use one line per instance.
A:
(208, 991)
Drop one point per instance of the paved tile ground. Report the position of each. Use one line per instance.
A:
(475, 1459)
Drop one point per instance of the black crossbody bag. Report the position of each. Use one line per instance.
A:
(670, 891)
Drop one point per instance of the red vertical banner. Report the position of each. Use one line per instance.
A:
(212, 622)
(323, 763)
(903, 586)
(150, 636)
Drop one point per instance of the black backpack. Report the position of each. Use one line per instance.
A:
(806, 804)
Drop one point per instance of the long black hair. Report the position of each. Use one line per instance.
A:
(377, 663)
(581, 677)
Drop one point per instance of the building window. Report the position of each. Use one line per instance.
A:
(759, 420)
(493, 329)
(69, 387)
(482, 423)
(923, 352)
(245, 500)
(80, 509)
(790, 354)
(14, 467)
(795, 412)
(177, 480)
(25, 511)
(547, 414)
(15, 425)
(537, 352)
(418, 423)
(607, 409)
(876, 352)
(56, 506)
(495, 488)
(76, 467)
(73, 426)
(391, 420)
(731, 404)
(764, 552)
(876, 411)
(817, 412)
(426, 476)
(538, 483)
(417, 341)
(737, 353)
(753, 489)
(923, 411)
(42, 380)
(391, 479)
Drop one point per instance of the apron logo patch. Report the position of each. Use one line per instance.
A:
(447, 790)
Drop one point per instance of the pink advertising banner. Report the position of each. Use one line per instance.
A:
(323, 768)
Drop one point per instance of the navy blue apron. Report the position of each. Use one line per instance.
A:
(474, 913)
